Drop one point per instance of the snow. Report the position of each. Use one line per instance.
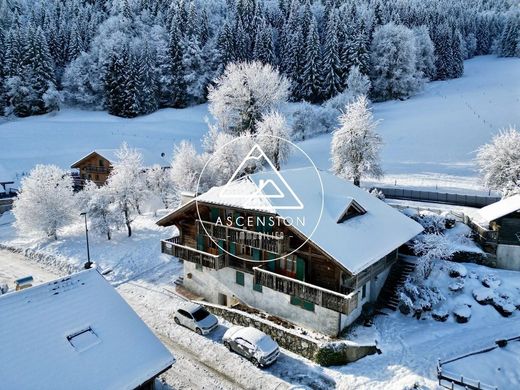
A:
(498, 367)
(36, 351)
(357, 242)
(498, 210)
(429, 139)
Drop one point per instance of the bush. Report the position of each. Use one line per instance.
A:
(462, 313)
(440, 315)
(310, 120)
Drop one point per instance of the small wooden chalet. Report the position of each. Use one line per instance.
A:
(76, 333)
(497, 229)
(95, 166)
(324, 283)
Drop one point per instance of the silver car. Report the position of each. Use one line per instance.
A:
(197, 318)
(253, 344)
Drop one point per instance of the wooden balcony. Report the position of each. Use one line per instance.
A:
(263, 241)
(173, 247)
(95, 169)
(320, 296)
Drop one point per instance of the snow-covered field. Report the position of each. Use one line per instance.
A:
(430, 139)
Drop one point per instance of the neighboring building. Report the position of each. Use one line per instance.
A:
(497, 229)
(324, 284)
(76, 333)
(95, 167)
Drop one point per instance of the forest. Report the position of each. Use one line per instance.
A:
(132, 57)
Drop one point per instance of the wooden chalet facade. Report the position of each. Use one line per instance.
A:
(227, 261)
(94, 167)
(497, 229)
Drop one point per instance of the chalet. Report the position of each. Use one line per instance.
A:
(317, 276)
(497, 229)
(95, 166)
(76, 333)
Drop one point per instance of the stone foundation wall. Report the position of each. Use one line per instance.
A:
(324, 353)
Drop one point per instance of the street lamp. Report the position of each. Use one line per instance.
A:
(88, 264)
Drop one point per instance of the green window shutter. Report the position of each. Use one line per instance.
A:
(220, 247)
(271, 265)
(257, 287)
(239, 278)
(200, 242)
(256, 254)
(300, 268)
(232, 248)
(308, 305)
(214, 214)
(296, 300)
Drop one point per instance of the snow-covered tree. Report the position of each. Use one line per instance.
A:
(272, 136)
(425, 52)
(358, 84)
(244, 93)
(311, 84)
(126, 183)
(103, 214)
(331, 66)
(394, 63)
(160, 183)
(186, 167)
(45, 203)
(355, 144)
(431, 247)
(499, 162)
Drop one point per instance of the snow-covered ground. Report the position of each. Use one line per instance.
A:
(429, 139)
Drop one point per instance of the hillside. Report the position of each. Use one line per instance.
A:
(430, 139)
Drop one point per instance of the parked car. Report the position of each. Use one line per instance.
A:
(196, 318)
(253, 344)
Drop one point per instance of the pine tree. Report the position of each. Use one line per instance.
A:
(264, 48)
(331, 65)
(115, 79)
(311, 88)
(178, 85)
(37, 71)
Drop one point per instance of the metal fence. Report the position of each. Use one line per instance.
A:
(439, 197)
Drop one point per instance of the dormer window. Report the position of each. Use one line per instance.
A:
(353, 209)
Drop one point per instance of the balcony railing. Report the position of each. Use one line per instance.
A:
(264, 241)
(94, 169)
(320, 296)
(173, 247)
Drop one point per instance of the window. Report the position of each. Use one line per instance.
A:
(101, 163)
(306, 305)
(353, 209)
(200, 314)
(257, 287)
(364, 291)
(83, 340)
(287, 264)
(239, 278)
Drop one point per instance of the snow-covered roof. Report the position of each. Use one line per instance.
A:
(75, 333)
(498, 210)
(111, 155)
(356, 243)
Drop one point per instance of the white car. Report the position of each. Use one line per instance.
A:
(253, 344)
(196, 318)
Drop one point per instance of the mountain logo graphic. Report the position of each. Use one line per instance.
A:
(267, 189)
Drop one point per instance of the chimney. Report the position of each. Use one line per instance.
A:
(187, 196)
